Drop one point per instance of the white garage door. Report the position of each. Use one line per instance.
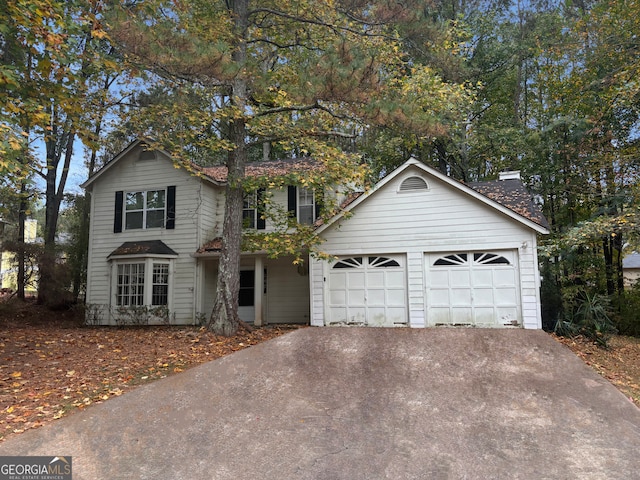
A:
(367, 290)
(474, 288)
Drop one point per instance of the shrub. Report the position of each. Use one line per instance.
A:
(590, 316)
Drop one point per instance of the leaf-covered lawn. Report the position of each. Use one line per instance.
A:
(51, 366)
(620, 363)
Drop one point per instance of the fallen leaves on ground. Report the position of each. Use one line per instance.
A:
(50, 367)
(619, 363)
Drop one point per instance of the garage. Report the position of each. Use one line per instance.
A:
(368, 290)
(473, 288)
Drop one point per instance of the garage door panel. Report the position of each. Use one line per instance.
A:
(507, 315)
(355, 280)
(440, 316)
(397, 315)
(440, 278)
(396, 298)
(483, 278)
(395, 279)
(375, 279)
(376, 296)
(480, 288)
(506, 296)
(484, 316)
(459, 278)
(460, 296)
(338, 314)
(483, 297)
(503, 277)
(338, 280)
(368, 290)
(461, 315)
(338, 297)
(439, 297)
(355, 297)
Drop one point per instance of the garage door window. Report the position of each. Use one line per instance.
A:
(354, 262)
(478, 259)
(375, 262)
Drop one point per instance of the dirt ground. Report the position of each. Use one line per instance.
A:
(51, 365)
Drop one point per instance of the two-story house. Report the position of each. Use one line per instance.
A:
(419, 249)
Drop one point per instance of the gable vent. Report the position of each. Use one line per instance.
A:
(413, 184)
(147, 155)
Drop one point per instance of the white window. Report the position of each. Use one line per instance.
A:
(130, 285)
(145, 209)
(143, 282)
(306, 206)
(160, 285)
(249, 210)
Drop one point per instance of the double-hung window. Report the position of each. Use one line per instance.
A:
(249, 210)
(306, 206)
(145, 209)
(142, 209)
(302, 204)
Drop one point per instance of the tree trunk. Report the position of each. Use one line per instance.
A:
(49, 287)
(21, 250)
(224, 317)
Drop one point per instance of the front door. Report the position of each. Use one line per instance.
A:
(246, 296)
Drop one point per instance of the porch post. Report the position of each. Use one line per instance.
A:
(258, 290)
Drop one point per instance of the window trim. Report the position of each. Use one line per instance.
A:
(250, 205)
(149, 261)
(145, 208)
(120, 214)
(300, 205)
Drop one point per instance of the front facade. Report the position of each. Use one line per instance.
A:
(418, 250)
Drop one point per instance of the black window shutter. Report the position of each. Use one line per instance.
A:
(171, 208)
(292, 200)
(261, 222)
(117, 217)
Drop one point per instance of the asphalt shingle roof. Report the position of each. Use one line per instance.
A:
(513, 195)
(147, 247)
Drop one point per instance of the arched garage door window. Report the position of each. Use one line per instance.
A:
(375, 262)
(478, 259)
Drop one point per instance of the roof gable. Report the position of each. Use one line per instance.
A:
(139, 144)
(510, 199)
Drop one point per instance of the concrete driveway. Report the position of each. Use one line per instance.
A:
(357, 403)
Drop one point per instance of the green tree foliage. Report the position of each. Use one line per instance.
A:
(298, 77)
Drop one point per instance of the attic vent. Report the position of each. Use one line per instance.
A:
(413, 184)
(147, 155)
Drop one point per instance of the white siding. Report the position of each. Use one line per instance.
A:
(441, 219)
(196, 219)
(287, 299)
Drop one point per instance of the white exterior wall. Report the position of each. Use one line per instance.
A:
(287, 299)
(287, 291)
(442, 219)
(196, 221)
